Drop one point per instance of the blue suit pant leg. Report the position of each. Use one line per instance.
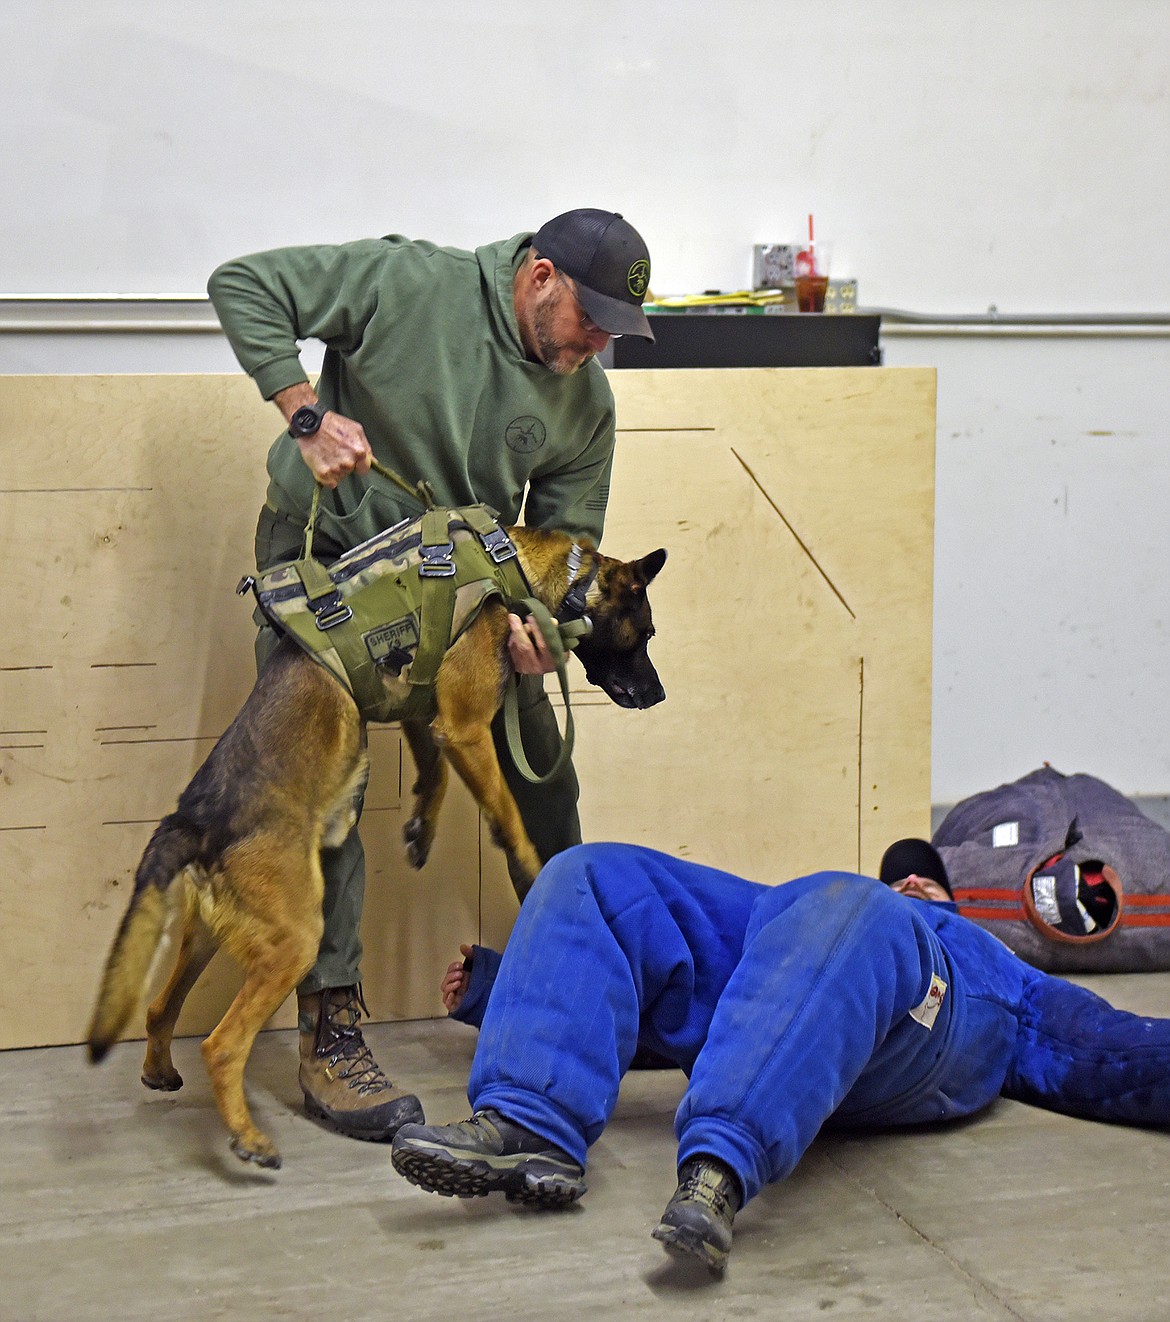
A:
(597, 954)
(820, 985)
(1077, 1054)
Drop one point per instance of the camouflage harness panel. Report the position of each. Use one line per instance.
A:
(381, 617)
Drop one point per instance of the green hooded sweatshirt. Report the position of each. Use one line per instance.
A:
(423, 349)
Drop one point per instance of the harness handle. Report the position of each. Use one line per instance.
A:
(421, 491)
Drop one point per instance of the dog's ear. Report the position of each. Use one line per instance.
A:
(648, 567)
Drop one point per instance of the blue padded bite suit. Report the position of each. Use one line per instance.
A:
(827, 999)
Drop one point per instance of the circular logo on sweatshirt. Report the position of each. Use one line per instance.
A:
(638, 278)
(525, 434)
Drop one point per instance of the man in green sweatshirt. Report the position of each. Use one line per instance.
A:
(473, 370)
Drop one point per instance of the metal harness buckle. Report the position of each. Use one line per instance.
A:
(498, 545)
(330, 611)
(436, 560)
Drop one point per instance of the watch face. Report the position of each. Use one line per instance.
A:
(305, 421)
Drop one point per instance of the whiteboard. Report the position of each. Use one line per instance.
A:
(955, 155)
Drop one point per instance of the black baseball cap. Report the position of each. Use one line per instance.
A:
(609, 261)
(914, 856)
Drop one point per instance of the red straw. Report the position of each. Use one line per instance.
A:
(810, 230)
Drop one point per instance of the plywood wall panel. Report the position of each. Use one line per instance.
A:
(794, 643)
(793, 616)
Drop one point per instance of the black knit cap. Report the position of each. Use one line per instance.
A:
(918, 856)
(609, 261)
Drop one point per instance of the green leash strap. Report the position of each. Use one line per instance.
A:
(558, 637)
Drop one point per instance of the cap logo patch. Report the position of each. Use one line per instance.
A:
(638, 278)
(525, 434)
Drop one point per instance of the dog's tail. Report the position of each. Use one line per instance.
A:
(142, 936)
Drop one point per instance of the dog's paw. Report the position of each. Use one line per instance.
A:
(418, 840)
(260, 1149)
(163, 1080)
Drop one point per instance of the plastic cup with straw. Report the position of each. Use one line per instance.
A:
(811, 271)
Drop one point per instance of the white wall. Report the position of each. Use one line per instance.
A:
(1052, 556)
(1007, 152)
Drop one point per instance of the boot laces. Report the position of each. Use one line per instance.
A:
(480, 1124)
(341, 1039)
(479, 1131)
(488, 1131)
(706, 1184)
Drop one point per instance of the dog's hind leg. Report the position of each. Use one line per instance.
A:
(226, 1049)
(342, 816)
(195, 952)
(430, 787)
(274, 933)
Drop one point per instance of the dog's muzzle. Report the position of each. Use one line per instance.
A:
(630, 693)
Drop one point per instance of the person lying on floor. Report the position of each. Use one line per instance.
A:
(910, 867)
(829, 998)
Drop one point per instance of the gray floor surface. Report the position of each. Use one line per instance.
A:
(122, 1204)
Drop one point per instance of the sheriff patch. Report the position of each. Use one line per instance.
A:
(393, 645)
(927, 1012)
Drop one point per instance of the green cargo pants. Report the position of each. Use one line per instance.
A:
(549, 811)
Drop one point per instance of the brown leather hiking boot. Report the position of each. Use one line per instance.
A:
(342, 1082)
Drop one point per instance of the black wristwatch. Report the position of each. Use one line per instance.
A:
(306, 421)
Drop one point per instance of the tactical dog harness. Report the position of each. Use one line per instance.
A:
(381, 617)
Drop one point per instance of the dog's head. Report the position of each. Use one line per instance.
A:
(614, 653)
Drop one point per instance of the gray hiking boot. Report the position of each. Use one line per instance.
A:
(697, 1220)
(485, 1154)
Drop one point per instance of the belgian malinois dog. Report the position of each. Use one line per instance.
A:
(238, 863)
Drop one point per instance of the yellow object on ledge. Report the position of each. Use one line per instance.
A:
(747, 298)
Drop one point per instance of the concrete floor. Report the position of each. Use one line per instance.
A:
(122, 1204)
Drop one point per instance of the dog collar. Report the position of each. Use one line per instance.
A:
(573, 605)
